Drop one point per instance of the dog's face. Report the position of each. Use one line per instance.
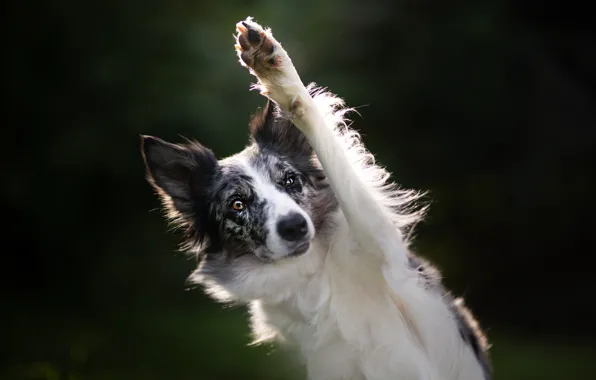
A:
(260, 206)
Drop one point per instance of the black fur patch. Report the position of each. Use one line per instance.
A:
(472, 335)
(279, 136)
(182, 175)
(242, 231)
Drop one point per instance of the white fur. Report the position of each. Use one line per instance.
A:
(351, 304)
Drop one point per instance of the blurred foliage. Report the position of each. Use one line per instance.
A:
(490, 105)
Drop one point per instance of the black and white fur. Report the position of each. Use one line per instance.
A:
(304, 227)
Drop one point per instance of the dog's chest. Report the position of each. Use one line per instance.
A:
(343, 323)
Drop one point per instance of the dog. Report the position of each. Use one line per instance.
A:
(304, 227)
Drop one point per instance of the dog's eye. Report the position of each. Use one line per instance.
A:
(290, 180)
(238, 205)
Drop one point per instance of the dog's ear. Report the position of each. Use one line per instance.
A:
(272, 132)
(179, 173)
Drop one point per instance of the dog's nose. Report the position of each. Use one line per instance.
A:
(292, 227)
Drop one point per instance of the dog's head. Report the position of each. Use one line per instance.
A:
(256, 208)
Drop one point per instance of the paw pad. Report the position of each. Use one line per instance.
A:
(255, 47)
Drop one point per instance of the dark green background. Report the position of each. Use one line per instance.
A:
(489, 105)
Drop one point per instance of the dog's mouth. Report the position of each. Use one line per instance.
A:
(300, 249)
(297, 249)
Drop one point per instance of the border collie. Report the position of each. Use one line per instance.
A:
(306, 229)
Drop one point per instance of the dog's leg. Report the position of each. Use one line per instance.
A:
(370, 223)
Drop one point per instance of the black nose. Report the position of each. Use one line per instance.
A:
(292, 227)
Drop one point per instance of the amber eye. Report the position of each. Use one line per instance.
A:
(238, 205)
(290, 180)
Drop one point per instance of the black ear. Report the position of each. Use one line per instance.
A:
(180, 173)
(272, 132)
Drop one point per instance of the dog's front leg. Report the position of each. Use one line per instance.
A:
(370, 223)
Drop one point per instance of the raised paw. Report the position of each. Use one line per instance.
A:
(268, 61)
(257, 49)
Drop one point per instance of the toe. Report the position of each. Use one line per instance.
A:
(243, 41)
(254, 37)
(241, 27)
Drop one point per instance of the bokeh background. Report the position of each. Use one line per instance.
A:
(489, 105)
